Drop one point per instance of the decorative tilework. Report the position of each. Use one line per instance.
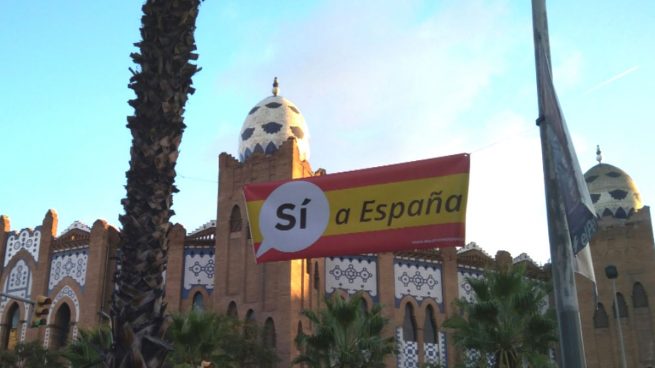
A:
(436, 353)
(199, 269)
(474, 358)
(69, 293)
(70, 263)
(18, 283)
(205, 226)
(30, 241)
(465, 290)
(472, 246)
(443, 349)
(271, 123)
(418, 279)
(407, 351)
(76, 225)
(431, 353)
(352, 274)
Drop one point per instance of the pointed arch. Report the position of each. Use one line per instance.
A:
(600, 317)
(429, 326)
(198, 303)
(639, 297)
(11, 328)
(61, 329)
(363, 305)
(409, 323)
(623, 307)
(232, 310)
(269, 337)
(235, 219)
(250, 325)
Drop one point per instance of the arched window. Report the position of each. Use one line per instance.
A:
(235, 219)
(11, 333)
(363, 305)
(269, 333)
(62, 327)
(409, 324)
(639, 298)
(317, 277)
(232, 310)
(429, 327)
(623, 308)
(198, 304)
(600, 317)
(250, 327)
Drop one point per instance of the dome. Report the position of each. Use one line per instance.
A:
(269, 124)
(613, 192)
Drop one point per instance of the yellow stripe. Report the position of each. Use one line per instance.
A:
(415, 203)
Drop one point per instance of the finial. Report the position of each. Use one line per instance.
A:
(276, 89)
(599, 156)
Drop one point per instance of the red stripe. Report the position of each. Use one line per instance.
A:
(444, 235)
(441, 166)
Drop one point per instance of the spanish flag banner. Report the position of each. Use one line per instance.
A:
(420, 204)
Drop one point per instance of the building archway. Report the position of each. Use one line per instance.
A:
(198, 303)
(62, 327)
(12, 324)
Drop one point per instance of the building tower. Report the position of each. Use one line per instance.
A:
(273, 145)
(625, 240)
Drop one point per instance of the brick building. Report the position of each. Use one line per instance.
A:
(213, 267)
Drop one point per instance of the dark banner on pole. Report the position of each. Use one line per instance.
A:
(580, 213)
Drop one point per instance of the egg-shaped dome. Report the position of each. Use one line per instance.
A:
(613, 192)
(269, 124)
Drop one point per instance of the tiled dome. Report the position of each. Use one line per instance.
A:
(613, 192)
(269, 124)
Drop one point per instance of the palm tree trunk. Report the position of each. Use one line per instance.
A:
(162, 84)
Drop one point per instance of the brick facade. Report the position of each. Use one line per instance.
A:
(213, 267)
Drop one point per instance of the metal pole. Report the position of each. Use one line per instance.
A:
(19, 298)
(561, 251)
(618, 323)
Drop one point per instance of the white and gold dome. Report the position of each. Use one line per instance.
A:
(612, 191)
(269, 124)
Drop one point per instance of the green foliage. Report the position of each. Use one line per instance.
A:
(345, 336)
(90, 348)
(226, 342)
(505, 320)
(30, 354)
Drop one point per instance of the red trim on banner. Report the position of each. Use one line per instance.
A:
(441, 166)
(421, 237)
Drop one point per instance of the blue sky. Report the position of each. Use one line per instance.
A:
(378, 82)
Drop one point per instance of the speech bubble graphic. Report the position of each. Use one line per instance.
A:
(293, 217)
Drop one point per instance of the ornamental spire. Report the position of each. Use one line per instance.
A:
(276, 88)
(599, 156)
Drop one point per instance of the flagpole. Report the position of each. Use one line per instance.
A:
(561, 250)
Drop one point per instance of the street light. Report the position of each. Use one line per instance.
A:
(612, 273)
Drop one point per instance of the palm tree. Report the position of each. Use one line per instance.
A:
(345, 336)
(222, 340)
(162, 84)
(505, 320)
(90, 348)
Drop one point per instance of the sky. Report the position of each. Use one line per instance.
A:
(378, 82)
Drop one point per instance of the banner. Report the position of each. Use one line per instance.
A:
(420, 204)
(574, 193)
